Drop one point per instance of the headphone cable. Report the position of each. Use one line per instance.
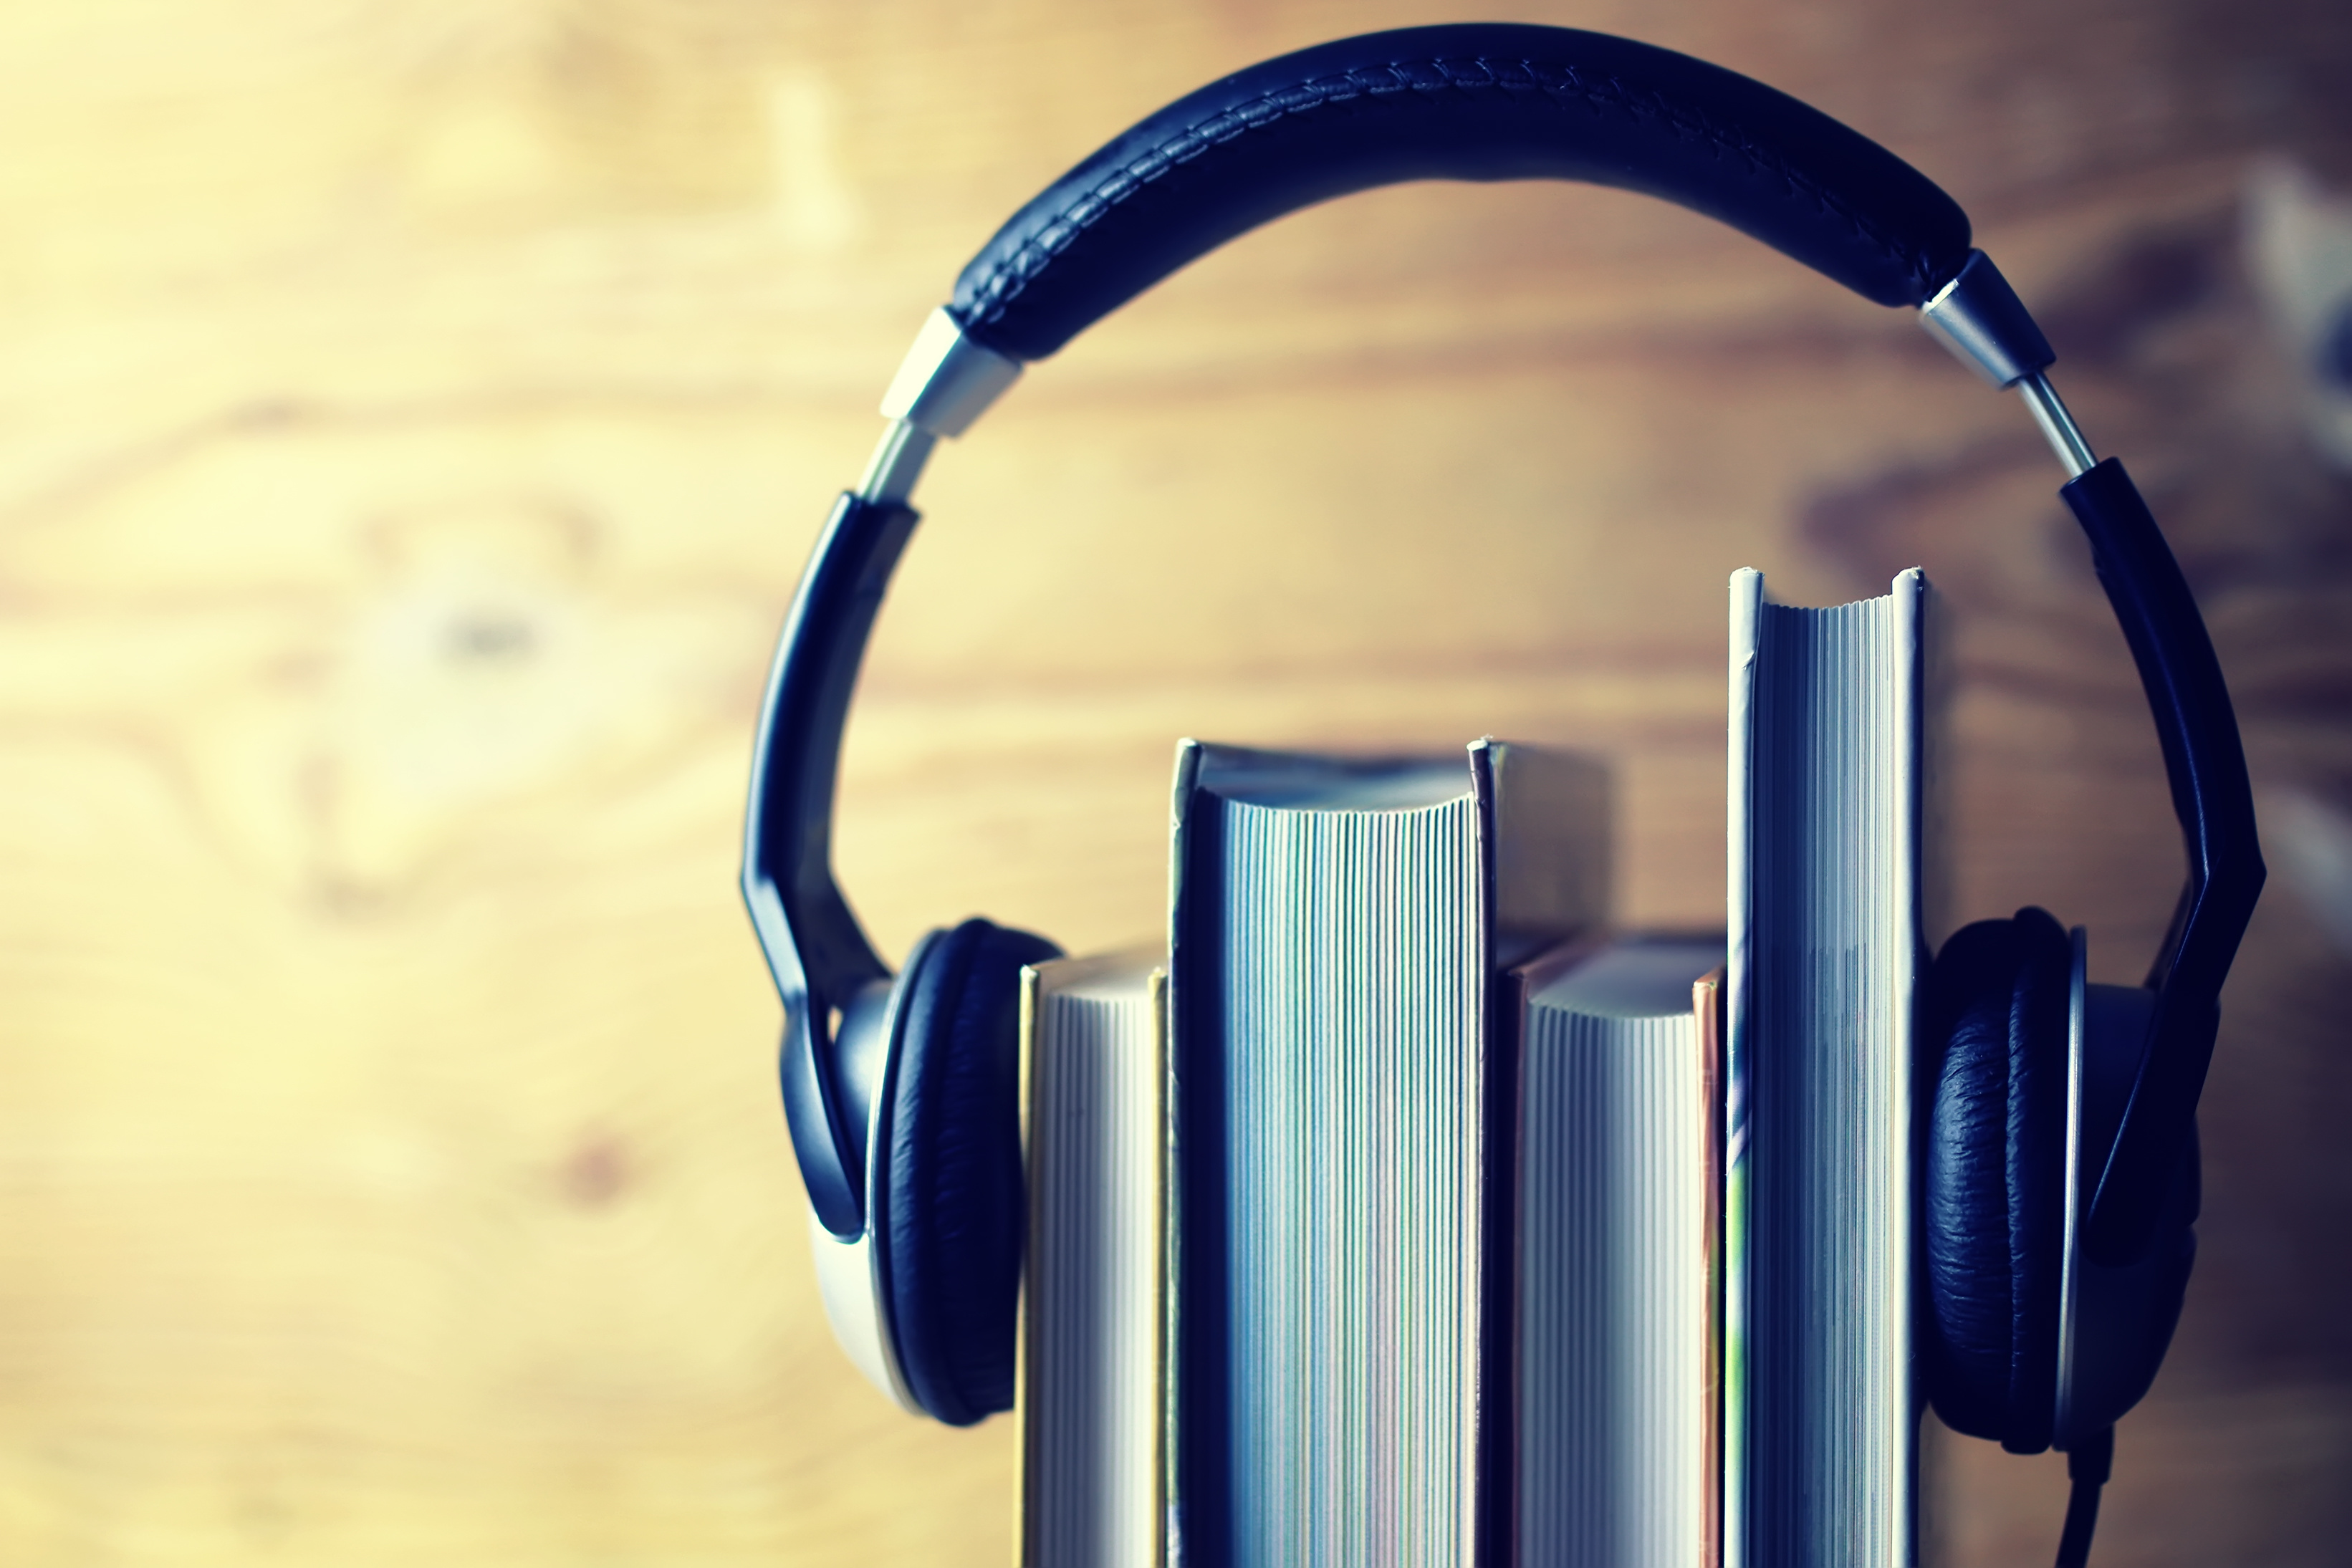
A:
(2087, 1465)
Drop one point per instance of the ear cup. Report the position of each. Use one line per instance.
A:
(2125, 1314)
(1993, 1207)
(952, 1221)
(2124, 1317)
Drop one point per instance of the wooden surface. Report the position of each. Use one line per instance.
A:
(414, 414)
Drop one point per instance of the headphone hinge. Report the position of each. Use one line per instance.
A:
(947, 381)
(1978, 316)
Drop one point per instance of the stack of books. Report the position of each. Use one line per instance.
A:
(1397, 1211)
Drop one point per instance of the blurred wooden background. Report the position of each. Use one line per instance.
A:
(414, 414)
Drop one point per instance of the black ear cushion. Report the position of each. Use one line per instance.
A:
(953, 1220)
(1994, 1022)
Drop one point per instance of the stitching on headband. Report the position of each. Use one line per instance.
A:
(1010, 276)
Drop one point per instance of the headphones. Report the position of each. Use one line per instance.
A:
(2059, 1179)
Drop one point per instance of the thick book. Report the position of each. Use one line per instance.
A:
(1346, 1168)
(1620, 1097)
(1093, 1348)
(1824, 948)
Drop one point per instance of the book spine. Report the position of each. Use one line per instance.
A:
(1163, 1242)
(1707, 1015)
(1200, 1528)
(1912, 614)
(1028, 1507)
(1747, 626)
(1176, 1346)
(1494, 1510)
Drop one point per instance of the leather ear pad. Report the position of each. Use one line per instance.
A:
(1993, 1211)
(954, 1211)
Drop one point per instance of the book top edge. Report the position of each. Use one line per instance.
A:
(1311, 782)
(1102, 976)
(1910, 580)
(1642, 977)
(1297, 781)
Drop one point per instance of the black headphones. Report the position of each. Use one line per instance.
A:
(2060, 1181)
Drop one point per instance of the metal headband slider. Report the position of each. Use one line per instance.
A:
(1980, 319)
(947, 381)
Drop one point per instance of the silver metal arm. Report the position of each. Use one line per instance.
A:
(897, 461)
(944, 384)
(2058, 426)
(1980, 319)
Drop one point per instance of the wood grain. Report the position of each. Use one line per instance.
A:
(414, 413)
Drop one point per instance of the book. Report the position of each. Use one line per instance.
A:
(1093, 1346)
(1345, 1176)
(1619, 1262)
(1824, 953)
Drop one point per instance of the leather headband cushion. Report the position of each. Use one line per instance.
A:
(1995, 1016)
(1475, 101)
(955, 1214)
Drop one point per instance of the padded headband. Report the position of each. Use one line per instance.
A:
(1478, 101)
(1486, 101)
